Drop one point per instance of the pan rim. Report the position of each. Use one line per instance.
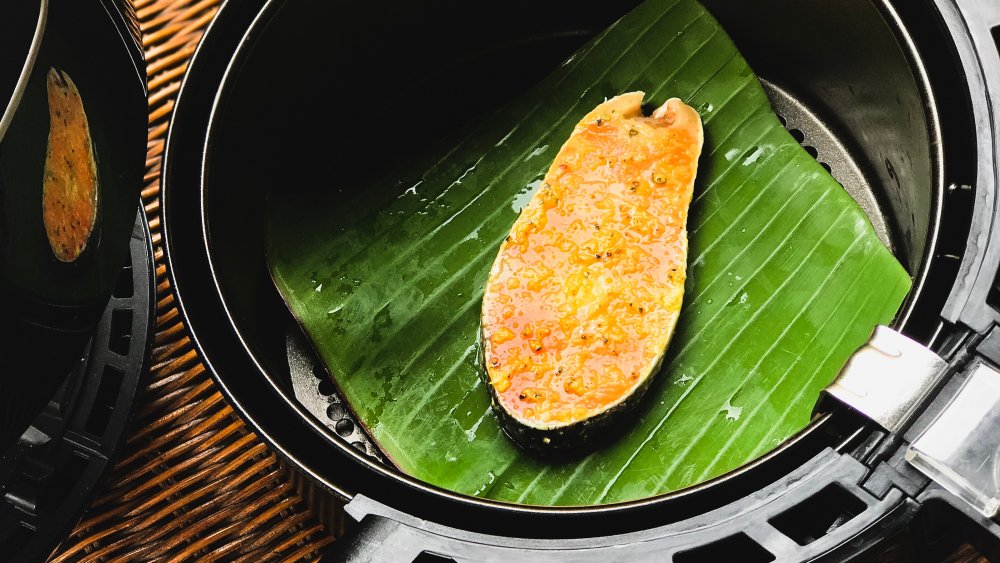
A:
(29, 64)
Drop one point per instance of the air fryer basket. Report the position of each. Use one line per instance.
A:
(847, 78)
(895, 138)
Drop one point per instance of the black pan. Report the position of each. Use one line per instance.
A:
(50, 308)
(270, 76)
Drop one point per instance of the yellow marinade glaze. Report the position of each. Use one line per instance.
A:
(585, 292)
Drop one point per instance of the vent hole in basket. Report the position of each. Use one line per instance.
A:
(326, 387)
(344, 427)
(123, 287)
(818, 515)
(335, 412)
(811, 150)
(104, 400)
(428, 557)
(798, 135)
(318, 372)
(733, 548)
(121, 331)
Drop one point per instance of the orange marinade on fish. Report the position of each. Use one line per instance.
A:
(70, 189)
(586, 290)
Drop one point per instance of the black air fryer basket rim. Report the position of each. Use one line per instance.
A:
(912, 55)
(377, 477)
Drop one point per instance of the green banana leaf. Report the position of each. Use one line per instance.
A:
(786, 279)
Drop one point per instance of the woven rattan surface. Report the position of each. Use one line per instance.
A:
(192, 482)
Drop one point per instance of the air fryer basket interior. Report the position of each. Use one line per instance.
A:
(838, 72)
(844, 61)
